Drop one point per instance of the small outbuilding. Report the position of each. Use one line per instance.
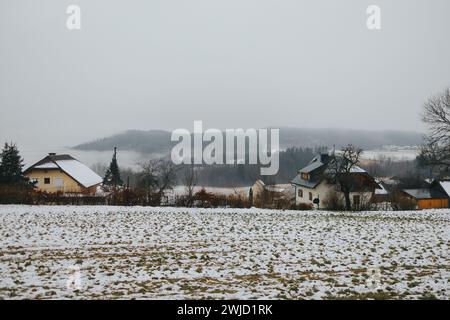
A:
(427, 198)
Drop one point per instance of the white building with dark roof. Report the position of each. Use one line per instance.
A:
(313, 188)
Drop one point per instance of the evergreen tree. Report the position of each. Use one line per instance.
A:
(11, 165)
(112, 176)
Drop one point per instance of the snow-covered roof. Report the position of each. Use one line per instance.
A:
(317, 162)
(278, 187)
(312, 166)
(72, 167)
(382, 189)
(425, 193)
(322, 160)
(47, 165)
(446, 186)
(79, 172)
(317, 170)
(357, 169)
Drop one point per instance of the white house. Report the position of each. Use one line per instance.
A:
(313, 188)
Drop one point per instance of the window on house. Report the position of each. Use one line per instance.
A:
(46, 180)
(310, 196)
(300, 193)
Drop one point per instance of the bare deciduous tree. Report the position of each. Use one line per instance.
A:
(435, 152)
(147, 179)
(190, 182)
(340, 171)
(437, 117)
(157, 176)
(166, 173)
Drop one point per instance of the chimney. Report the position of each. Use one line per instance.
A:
(52, 154)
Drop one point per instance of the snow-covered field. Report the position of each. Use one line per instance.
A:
(171, 253)
(395, 153)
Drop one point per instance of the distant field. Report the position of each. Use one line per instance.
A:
(397, 154)
(171, 253)
(181, 190)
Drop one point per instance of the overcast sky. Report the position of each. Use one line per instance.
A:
(231, 63)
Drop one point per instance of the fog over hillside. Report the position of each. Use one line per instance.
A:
(158, 141)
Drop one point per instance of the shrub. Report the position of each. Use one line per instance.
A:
(15, 194)
(334, 202)
(304, 206)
